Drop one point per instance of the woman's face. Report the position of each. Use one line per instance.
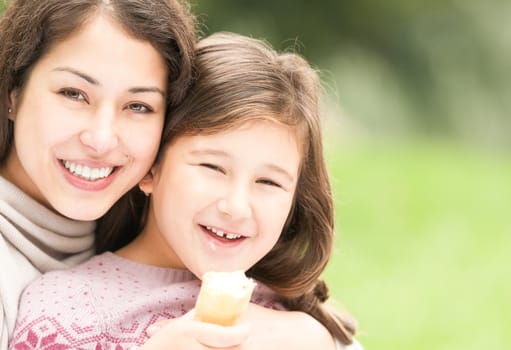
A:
(88, 122)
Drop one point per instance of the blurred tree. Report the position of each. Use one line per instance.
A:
(437, 66)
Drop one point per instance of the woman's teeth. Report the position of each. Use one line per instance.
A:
(86, 172)
(223, 234)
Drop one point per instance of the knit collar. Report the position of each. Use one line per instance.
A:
(56, 236)
(148, 274)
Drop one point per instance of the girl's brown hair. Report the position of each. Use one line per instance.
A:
(241, 79)
(30, 28)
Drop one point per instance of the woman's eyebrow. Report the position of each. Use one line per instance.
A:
(76, 72)
(142, 89)
(91, 80)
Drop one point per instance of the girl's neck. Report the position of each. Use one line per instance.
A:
(148, 248)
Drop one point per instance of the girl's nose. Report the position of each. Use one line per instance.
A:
(236, 204)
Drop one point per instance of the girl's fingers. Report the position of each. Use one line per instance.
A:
(155, 327)
(191, 334)
(215, 336)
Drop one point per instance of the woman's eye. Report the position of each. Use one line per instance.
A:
(140, 108)
(269, 183)
(212, 167)
(73, 94)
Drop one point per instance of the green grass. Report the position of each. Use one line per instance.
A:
(423, 238)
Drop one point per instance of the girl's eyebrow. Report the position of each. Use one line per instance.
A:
(209, 151)
(270, 166)
(281, 171)
(91, 80)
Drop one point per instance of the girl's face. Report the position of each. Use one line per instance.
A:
(88, 122)
(219, 202)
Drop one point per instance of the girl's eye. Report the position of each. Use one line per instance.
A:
(140, 108)
(269, 183)
(73, 94)
(212, 167)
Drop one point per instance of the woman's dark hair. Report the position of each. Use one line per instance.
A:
(30, 28)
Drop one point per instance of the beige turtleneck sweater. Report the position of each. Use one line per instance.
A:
(33, 240)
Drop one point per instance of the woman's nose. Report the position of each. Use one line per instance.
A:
(100, 135)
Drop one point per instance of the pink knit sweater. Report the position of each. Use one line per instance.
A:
(106, 303)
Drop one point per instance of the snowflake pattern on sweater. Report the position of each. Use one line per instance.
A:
(106, 303)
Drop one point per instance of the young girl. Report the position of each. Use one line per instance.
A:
(84, 88)
(240, 184)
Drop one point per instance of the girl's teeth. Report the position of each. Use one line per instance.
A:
(222, 234)
(86, 172)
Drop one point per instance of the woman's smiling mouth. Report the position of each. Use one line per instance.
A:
(86, 172)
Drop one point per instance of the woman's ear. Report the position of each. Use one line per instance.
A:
(146, 185)
(13, 99)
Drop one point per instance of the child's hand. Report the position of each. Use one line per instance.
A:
(184, 333)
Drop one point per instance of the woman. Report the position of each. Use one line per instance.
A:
(84, 87)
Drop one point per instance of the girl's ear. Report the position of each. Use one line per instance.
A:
(146, 185)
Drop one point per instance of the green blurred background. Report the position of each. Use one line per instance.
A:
(418, 139)
(418, 143)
